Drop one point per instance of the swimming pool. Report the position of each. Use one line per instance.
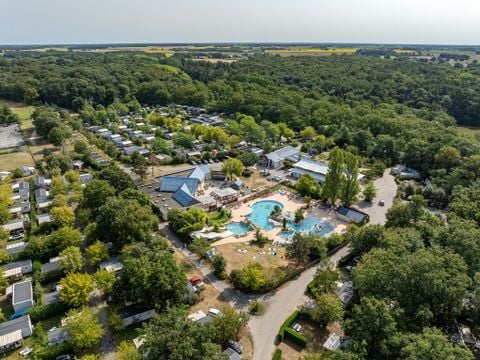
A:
(239, 228)
(309, 225)
(261, 211)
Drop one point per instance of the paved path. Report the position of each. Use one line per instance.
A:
(386, 191)
(279, 305)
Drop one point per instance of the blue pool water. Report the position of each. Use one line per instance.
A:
(261, 211)
(239, 228)
(309, 225)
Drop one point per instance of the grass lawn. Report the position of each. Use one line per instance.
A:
(218, 218)
(237, 260)
(15, 160)
(255, 180)
(469, 130)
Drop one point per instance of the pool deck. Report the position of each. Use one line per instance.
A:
(291, 203)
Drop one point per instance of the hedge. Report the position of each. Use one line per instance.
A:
(277, 355)
(42, 312)
(297, 338)
(286, 331)
(287, 323)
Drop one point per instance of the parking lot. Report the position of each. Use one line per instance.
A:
(11, 136)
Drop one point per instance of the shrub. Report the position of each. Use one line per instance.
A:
(256, 307)
(277, 355)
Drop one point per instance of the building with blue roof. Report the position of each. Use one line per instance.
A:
(183, 196)
(175, 183)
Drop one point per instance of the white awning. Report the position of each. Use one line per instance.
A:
(10, 338)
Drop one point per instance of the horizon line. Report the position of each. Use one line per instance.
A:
(180, 43)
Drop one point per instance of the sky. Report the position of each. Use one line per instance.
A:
(174, 21)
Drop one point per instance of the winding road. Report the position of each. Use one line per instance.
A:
(281, 302)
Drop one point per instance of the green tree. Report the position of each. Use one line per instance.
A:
(334, 180)
(104, 280)
(122, 221)
(219, 266)
(371, 325)
(139, 165)
(299, 215)
(96, 194)
(71, 259)
(96, 253)
(253, 277)
(325, 281)
(232, 167)
(307, 186)
(248, 159)
(62, 216)
(173, 336)
(134, 194)
(447, 157)
(84, 328)
(117, 178)
(369, 192)
(7, 116)
(127, 351)
(58, 136)
(430, 344)
(328, 309)
(308, 133)
(150, 276)
(227, 326)
(406, 278)
(298, 249)
(76, 289)
(350, 185)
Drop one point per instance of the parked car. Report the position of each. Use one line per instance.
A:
(235, 346)
(214, 312)
(381, 203)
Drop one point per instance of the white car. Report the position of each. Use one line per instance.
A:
(214, 312)
(25, 352)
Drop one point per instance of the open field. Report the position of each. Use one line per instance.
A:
(404, 51)
(238, 255)
(469, 130)
(313, 51)
(14, 160)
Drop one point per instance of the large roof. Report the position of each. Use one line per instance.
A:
(183, 196)
(353, 214)
(312, 166)
(283, 153)
(174, 183)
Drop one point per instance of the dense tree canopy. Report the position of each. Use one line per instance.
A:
(150, 277)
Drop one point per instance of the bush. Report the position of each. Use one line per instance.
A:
(297, 338)
(277, 355)
(256, 307)
(42, 312)
(236, 278)
(199, 246)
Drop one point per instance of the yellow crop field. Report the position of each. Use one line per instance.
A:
(314, 51)
(403, 51)
(167, 53)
